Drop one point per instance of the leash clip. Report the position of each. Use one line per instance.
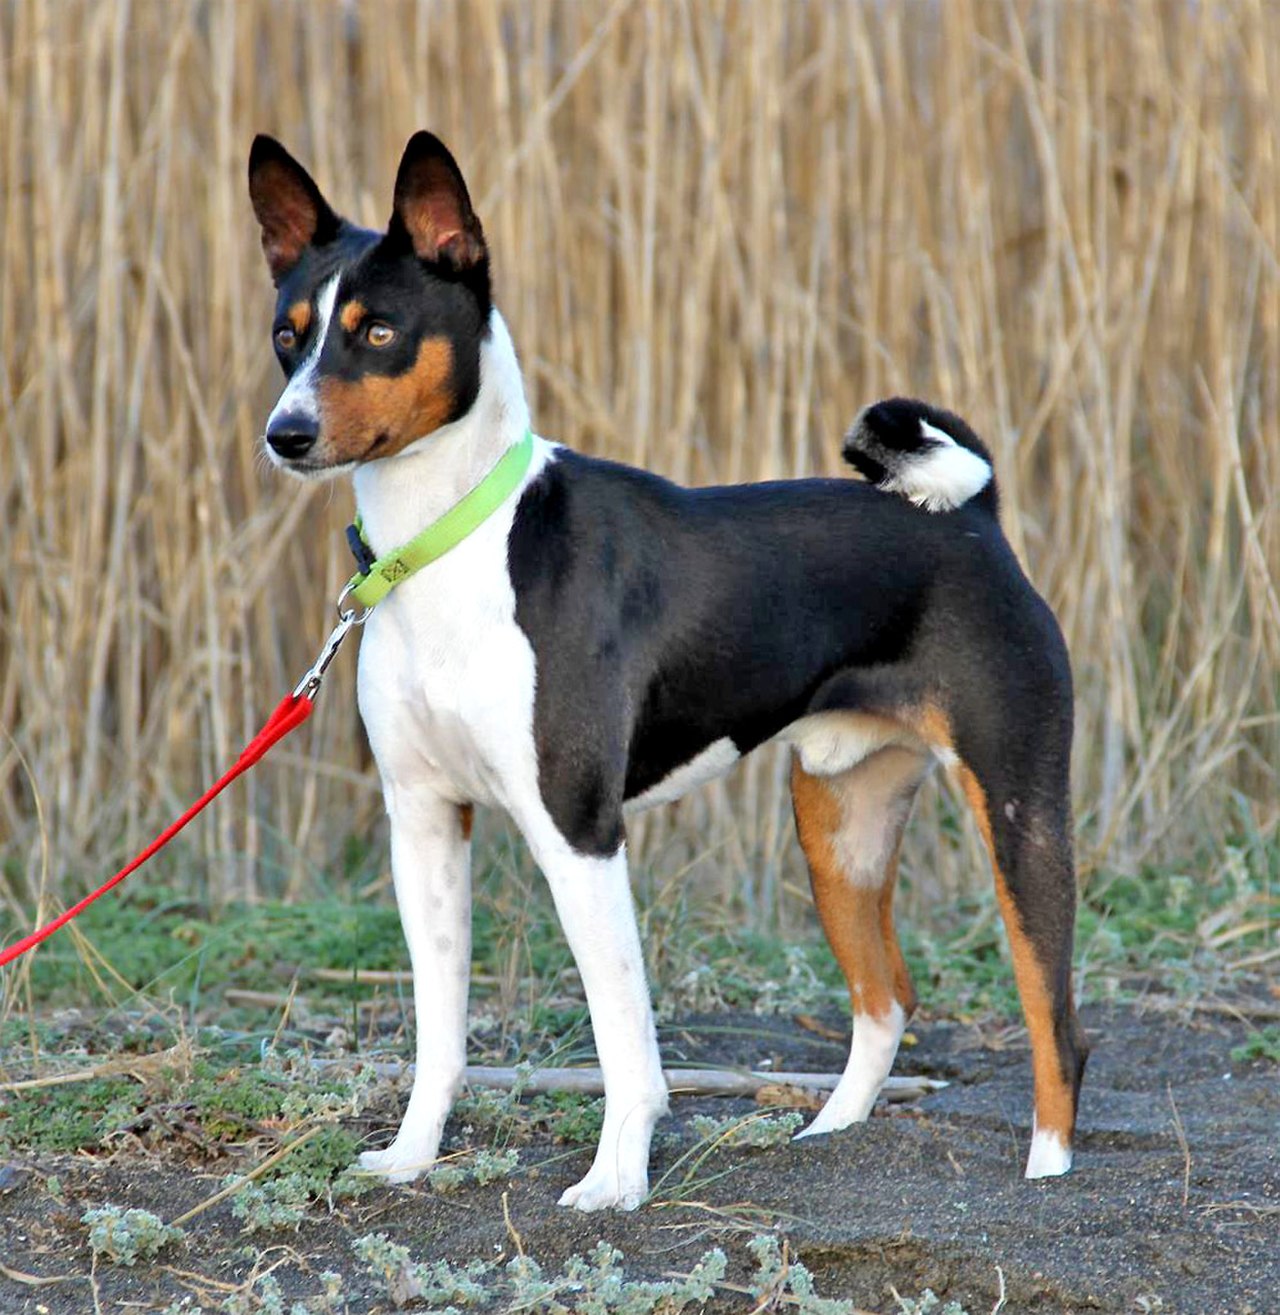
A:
(309, 686)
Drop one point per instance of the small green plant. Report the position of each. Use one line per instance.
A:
(70, 1118)
(594, 1284)
(780, 1278)
(122, 1236)
(262, 1296)
(757, 1131)
(489, 1166)
(278, 1203)
(482, 1168)
(317, 1170)
(405, 1279)
(569, 1116)
(1264, 1044)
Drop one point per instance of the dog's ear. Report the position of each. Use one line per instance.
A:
(432, 208)
(288, 204)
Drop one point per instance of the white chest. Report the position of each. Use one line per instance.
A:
(446, 678)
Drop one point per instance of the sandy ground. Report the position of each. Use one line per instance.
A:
(1174, 1204)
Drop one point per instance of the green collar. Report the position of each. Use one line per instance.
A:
(377, 578)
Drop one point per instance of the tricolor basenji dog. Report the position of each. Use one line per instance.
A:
(606, 640)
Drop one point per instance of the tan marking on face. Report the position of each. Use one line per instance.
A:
(351, 314)
(299, 317)
(378, 415)
(466, 819)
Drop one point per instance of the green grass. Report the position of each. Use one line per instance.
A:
(68, 1118)
(702, 956)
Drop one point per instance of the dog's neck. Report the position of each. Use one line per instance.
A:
(400, 495)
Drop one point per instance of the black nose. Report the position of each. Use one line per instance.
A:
(292, 435)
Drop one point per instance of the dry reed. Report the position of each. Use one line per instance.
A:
(719, 229)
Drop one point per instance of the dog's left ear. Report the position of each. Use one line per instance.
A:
(432, 208)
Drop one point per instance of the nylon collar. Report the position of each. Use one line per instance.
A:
(377, 577)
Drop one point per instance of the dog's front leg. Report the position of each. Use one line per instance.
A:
(593, 901)
(431, 866)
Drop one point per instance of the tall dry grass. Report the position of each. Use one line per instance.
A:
(719, 229)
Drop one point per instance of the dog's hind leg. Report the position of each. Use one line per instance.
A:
(431, 867)
(850, 828)
(1028, 835)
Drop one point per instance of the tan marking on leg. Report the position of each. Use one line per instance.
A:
(299, 317)
(351, 314)
(377, 415)
(933, 726)
(864, 810)
(466, 819)
(903, 988)
(1054, 1097)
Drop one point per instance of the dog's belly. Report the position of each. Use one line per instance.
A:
(828, 744)
(715, 761)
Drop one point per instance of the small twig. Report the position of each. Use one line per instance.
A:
(133, 1066)
(93, 1285)
(1002, 1299)
(201, 1280)
(512, 1232)
(362, 976)
(253, 1173)
(1181, 1134)
(36, 1281)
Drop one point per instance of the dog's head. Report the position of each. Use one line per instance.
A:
(378, 334)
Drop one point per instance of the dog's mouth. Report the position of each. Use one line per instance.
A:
(321, 464)
(311, 466)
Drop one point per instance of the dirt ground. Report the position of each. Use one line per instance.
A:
(1174, 1204)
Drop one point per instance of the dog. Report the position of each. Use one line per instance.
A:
(605, 641)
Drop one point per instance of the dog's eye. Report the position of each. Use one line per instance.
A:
(286, 339)
(379, 335)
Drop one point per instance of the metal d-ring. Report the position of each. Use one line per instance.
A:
(348, 618)
(349, 613)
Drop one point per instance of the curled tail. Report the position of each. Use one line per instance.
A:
(927, 455)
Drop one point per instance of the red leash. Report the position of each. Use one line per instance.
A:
(291, 712)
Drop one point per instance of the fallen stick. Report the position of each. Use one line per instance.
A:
(1225, 1008)
(680, 1081)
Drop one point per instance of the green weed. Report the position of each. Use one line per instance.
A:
(123, 1236)
(928, 1303)
(1261, 1045)
(73, 1117)
(756, 1131)
(482, 1168)
(318, 1170)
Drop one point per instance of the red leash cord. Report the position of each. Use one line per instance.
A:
(290, 713)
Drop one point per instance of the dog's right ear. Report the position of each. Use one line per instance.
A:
(290, 209)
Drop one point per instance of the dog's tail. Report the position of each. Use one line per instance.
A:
(927, 455)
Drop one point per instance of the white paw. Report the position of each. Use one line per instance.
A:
(1050, 1156)
(398, 1164)
(605, 1190)
(838, 1113)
